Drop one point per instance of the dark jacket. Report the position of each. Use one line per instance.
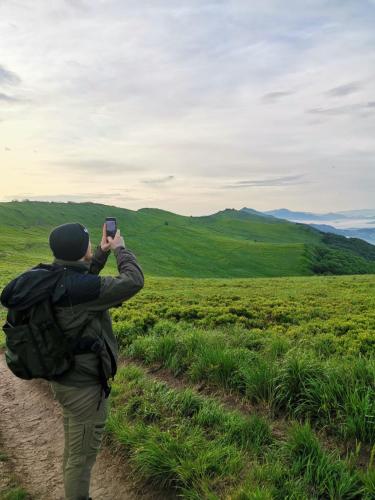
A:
(80, 299)
(86, 302)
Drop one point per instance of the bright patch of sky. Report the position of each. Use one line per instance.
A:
(189, 106)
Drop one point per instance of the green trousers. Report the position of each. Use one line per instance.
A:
(84, 412)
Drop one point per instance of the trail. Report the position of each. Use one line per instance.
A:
(32, 436)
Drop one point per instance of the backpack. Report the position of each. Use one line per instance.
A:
(36, 347)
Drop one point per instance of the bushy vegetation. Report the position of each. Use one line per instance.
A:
(339, 260)
(329, 315)
(356, 245)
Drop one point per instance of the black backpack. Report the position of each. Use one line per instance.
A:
(36, 347)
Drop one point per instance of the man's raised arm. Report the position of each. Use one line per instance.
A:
(116, 289)
(101, 254)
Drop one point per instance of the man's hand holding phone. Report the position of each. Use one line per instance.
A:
(104, 244)
(117, 241)
(108, 243)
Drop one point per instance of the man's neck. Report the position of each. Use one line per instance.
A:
(80, 264)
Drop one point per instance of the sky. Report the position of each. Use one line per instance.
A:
(191, 106)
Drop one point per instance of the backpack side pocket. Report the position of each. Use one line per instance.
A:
(17, 354)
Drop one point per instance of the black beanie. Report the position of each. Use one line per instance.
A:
(69, 241)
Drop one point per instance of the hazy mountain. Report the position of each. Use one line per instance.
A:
(367, 234)
(284, 213)
(349, 223)
(365, 213)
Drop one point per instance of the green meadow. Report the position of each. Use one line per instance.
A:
(228, 244)
(244, 373)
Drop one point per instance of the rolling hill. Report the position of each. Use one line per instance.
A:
(230, 243)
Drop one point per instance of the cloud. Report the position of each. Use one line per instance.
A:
(215, 92)
(275, 96)
(344, 90)
(158, 180)
(359, 109)
(97, 166)
(8, 77)
(79, 5)
(276, 181)
(8, 98)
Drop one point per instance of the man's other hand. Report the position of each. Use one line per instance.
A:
(117, 241)
(104, 244)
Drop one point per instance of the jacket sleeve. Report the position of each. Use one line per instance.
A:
(99, 260)
(116, 289)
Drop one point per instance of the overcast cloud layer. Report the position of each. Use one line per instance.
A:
(189, 106)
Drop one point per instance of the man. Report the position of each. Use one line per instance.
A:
(83, 390)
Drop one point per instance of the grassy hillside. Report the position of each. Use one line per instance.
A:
(230, 243)
(231, 388)
(247, 388)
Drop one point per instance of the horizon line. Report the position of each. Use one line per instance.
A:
(27, 200)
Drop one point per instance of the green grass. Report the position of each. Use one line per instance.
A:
(303, 469)
(228, 244)
(164, 435)
(180, 440)
(330, 315)
(338, 394)
(15, 493)
(296, 350)
(303, 347)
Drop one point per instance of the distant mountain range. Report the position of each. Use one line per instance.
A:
(367, 212)
(350, 223)
(284, 213)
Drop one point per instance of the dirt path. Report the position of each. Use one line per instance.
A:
(32, 435)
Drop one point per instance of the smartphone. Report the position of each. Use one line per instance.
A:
(111, 226)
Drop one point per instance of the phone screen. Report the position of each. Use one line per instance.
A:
(111, 226)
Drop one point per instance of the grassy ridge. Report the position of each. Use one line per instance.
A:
(227, 244)
(166, 243)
